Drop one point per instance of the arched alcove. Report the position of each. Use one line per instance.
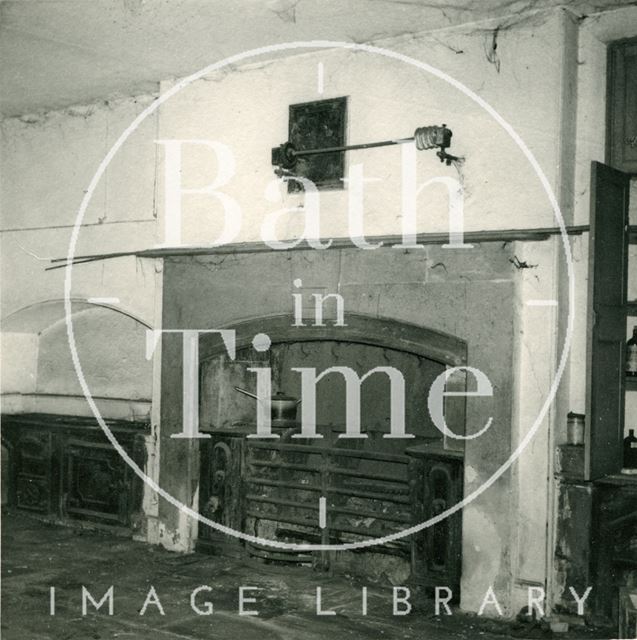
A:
(110, 346)
(111, 351)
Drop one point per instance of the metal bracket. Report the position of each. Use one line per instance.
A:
(285, 156)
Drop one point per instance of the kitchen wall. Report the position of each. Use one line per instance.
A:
(526, 66)
(48, 162)
(510, 66)
(528, 60)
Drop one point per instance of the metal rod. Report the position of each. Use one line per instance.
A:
(372, 495)
(251, 497)
(317, 450)
(281, 483)
(283, 465)
(367, 476)
(351, 147)
(367, 513)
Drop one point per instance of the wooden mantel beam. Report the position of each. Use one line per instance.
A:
(470, 237)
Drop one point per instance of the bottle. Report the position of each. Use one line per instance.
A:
(574, 429)
(631, 355)
(630, 450)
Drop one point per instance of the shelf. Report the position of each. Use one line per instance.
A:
(631, 308)
(631, 384)
(632, 234)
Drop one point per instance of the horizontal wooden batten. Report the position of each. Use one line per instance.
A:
(470, 237)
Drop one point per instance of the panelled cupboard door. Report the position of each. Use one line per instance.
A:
(608, 256)
(622, 105)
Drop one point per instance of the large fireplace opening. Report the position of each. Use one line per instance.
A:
(372, 487)
(223, 407)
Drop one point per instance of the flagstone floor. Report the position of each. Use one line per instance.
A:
(37, 556)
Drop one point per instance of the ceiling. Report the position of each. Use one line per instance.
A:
(58, 53)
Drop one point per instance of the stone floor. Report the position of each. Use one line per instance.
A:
(37, 555)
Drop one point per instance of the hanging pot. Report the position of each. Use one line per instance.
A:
(282, 407)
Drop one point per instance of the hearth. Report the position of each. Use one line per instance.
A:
(332, 490)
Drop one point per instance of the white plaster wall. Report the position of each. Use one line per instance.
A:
(111, 350)
(246, 109)
(48, 162)
(534, 374)
(49, 159)
(18, 355)
(577, 360)
(591, 116)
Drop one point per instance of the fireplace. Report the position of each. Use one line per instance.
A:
(272, 489)
(420, 311)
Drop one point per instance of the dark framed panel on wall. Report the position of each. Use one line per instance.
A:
(317, 125)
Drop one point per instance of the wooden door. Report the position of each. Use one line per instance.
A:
(608, 259)
(622, 105)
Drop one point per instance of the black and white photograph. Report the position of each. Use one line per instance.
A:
(318, 319)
